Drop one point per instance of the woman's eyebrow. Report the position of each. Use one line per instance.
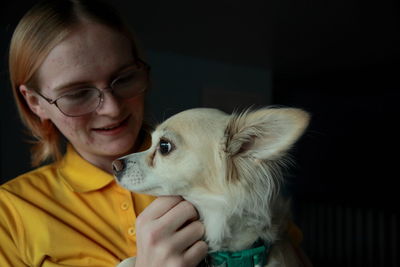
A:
(125, 66)
(63, 87)
(122, 71)
(68, 85)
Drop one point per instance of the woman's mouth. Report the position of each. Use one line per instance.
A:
(113, 129)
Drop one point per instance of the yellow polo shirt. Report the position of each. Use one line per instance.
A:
(69, 213)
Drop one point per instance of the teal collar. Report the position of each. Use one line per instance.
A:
(255, 256)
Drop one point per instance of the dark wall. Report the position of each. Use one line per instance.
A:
(340, 60)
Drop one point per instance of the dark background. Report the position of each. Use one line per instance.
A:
(339, 60)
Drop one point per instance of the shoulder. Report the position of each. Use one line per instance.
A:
(28, 193)
(42, 178)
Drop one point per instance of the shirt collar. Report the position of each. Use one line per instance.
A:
(81, 176)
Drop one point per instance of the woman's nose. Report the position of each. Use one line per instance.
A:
(110, 105)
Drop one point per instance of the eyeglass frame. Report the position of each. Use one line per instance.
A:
(147, 69)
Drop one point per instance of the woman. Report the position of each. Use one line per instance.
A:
(77, 76)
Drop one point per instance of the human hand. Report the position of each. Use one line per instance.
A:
(168, 234)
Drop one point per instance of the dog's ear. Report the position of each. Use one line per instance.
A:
(265, 133)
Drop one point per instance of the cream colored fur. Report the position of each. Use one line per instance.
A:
(229, 167)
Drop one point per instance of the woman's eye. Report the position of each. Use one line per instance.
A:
(80, 94)
(126, 79)
(165, 147)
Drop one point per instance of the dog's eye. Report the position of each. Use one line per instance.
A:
(165, 147)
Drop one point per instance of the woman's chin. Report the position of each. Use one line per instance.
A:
(119, 148)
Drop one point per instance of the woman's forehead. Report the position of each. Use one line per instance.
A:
(87, 54)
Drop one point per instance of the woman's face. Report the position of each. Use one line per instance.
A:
(92, 56)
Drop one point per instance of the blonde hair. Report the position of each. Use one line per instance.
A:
(38, 32)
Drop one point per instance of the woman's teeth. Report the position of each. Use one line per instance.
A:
(114, 127)
(110, 128)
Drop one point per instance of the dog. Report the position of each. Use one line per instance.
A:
(229, 166)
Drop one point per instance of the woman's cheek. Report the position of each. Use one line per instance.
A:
(71, 128)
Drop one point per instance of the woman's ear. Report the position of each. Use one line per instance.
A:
(32, 100)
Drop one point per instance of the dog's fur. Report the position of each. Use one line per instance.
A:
(229, 167)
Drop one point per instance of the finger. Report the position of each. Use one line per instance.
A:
(188, 235)
(160, 206)
(196, 253)
(177, 216)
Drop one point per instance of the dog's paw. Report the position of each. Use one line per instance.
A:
(129, 262)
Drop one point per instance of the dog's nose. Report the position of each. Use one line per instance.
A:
(118, 166)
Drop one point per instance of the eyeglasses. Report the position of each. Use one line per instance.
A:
(86, 100)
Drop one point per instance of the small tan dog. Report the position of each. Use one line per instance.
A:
(229, 168)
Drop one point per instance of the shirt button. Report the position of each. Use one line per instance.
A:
(124, 205)
(131, 231)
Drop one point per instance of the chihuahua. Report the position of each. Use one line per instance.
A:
(229, 166)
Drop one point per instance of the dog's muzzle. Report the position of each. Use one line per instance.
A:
(127, 171)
